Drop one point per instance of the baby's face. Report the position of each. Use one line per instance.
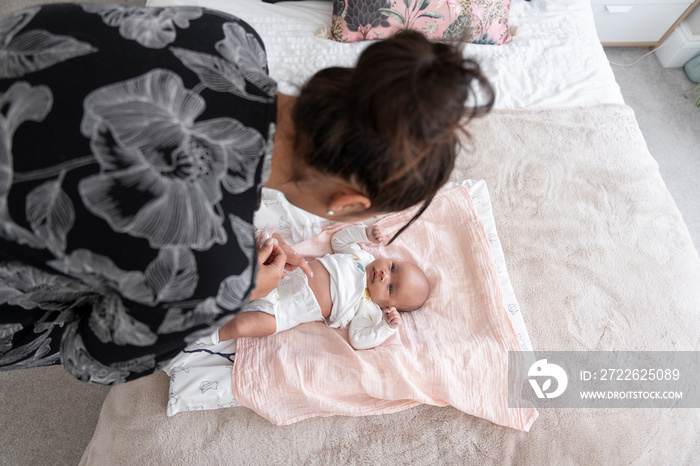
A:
(398, 284)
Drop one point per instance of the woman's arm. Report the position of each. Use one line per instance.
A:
(271, 262)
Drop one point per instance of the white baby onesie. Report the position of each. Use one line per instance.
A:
(294, 303)
(352, 306)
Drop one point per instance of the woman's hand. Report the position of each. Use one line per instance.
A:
(392, 317)
(294, 260)
(271, 262)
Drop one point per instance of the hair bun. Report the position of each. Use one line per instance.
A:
(392, 124)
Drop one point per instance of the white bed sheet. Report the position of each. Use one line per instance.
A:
(554, 59)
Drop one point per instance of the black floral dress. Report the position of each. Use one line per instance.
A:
(134, 143)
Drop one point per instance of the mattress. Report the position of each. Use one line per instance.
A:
(554, 59)
(600, 260)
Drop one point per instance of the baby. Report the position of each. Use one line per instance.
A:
(348, 289)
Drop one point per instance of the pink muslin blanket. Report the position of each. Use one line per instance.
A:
(453, 351)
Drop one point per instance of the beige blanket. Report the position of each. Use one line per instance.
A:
(600, 260)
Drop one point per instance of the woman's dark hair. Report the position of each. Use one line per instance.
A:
(392, 124)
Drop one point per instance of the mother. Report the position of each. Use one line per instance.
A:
(134, 143)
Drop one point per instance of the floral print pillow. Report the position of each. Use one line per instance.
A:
(476, 21)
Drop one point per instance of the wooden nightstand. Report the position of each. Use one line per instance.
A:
(638, 22)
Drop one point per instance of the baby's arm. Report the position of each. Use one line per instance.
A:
(249, 324)
(346, 241)
(368, 328)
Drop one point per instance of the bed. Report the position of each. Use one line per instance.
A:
(577, 218)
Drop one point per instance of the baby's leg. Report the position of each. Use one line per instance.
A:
(249, 324)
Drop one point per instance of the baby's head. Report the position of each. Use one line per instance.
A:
(398, 284)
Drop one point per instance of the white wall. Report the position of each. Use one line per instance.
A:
(683, 44)
(693, 21)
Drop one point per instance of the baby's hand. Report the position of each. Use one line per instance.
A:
(379, 234)
(392, 316)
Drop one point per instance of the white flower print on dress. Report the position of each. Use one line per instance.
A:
(243, 60)
(23, 53)
(78, 361)
(33, 354)
(30, 288)
(234, 289)
(245, 235)
(151, 27)
(51, 214)
(172, 275)
(111, 323)
(178, 319)
(162, 171)
(20, 103)
(232, 294)
(7, 332)
(269, 149)
(243, 48)
(100, 273)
